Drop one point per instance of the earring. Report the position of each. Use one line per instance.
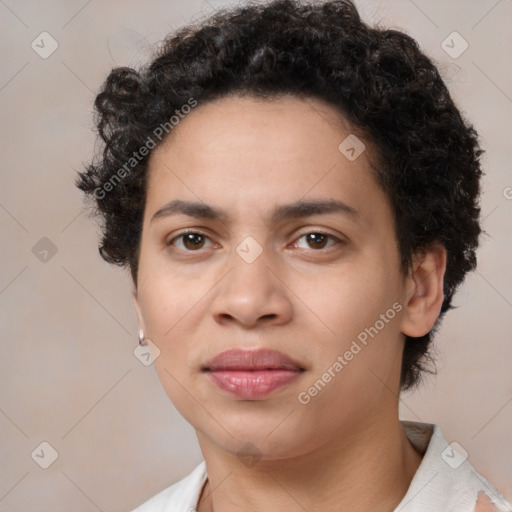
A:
(141, 338)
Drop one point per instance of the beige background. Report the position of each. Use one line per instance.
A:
(68, 373)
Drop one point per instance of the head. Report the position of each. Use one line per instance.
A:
(287, 104)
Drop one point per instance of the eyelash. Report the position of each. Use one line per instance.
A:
(193, 232)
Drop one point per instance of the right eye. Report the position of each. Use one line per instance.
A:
(191, 241)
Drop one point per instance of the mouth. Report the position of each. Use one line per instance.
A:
(252, 374)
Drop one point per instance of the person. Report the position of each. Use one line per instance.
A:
(296, 196)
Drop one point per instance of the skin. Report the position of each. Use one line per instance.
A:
(308, 300)
(484, 504)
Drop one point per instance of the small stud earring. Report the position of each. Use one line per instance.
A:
(141, 338)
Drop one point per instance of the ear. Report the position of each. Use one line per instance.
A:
(138, 310)
(424, 289)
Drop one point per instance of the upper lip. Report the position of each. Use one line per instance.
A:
(260, 359)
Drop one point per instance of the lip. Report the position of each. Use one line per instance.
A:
(252, 374)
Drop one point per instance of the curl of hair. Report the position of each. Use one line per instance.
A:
(426, 154)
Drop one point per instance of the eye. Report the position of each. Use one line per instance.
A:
(318, 239)
(191, 241)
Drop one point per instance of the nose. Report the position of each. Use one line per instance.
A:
(252, 293)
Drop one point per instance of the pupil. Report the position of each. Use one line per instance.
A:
(192, 238)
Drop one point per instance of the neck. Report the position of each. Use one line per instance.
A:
(370, 469)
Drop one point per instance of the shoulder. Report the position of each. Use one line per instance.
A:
(182, 495)
(445, 479)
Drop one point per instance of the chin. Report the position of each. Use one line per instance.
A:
(260, 440)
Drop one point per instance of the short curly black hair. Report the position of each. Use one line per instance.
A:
(427, 155)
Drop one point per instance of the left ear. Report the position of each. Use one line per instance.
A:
(424, 291)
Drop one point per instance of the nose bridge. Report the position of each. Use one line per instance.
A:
(250, 275)
(251, 290)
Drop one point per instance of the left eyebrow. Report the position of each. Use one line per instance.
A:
(296, 210)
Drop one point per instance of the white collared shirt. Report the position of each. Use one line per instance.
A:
(445, 481)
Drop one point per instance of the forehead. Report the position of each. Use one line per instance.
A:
(232, 122)
(246, 151)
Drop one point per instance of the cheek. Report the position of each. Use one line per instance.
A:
(350, 299)
(166, 300)
(172, 309)
(159, 310)
(359, 310)
(180, 389)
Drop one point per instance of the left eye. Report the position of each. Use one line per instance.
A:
(318, 239)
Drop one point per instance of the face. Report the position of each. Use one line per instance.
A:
(321, 286)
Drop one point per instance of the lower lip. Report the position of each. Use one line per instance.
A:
(253, 384)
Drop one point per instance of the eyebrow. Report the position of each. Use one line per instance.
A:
(299, 209)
